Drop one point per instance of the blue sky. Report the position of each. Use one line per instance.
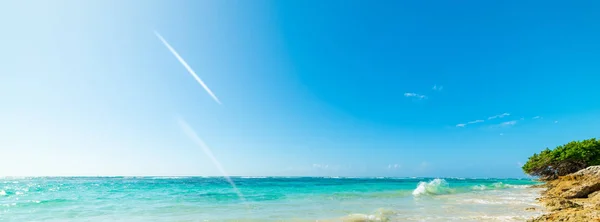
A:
(336, 88)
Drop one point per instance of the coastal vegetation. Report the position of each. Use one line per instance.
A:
(564, 159)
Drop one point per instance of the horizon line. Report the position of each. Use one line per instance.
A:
(263, 177)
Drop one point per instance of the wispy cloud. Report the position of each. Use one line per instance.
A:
(418, 96)
(320, 166)
(189, 69)
(475, 121)
(556, 121)
(505, 124)
(509, 123)
(194, 137)
(394, 166)
(499, 116)
(437, 88)
(537, 117)
(501, 134)
(470, 122)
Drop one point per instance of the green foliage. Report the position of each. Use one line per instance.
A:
(563, 160)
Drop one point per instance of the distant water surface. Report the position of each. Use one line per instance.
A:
(266, 199)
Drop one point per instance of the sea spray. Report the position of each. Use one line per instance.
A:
(434, 187)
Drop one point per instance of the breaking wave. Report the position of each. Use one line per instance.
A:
(441, 186)
(434, 187)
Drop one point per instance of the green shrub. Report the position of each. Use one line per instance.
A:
(563, 160)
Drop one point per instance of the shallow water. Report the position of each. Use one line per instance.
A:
(265, 199)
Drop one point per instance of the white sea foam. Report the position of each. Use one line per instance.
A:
(434, 187)
(479, 187)
(2, 193)
(498, 185)
(361, 218)
(379, 215)
(169, 178)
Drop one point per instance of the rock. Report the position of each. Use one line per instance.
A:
(583, 190)
(590, 171)
(574, 197)
(530, 209)
(576, 185)
(538, 186)
(594, 195)
(560, 204)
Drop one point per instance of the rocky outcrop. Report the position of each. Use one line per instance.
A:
(574, 197)
(577, 185)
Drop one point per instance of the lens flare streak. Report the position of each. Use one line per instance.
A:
(194, 137)
(187, 67)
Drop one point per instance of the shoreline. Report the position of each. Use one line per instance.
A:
(574, 197)
(270, 199)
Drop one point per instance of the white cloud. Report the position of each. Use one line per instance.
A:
(475, 121)
(537, 117)
(393, 166)
(499, 116)
(470, 122)
(322, 166)
(419, 96)
(437, 88)
(509, 123)
(505, 124)
(187, 67)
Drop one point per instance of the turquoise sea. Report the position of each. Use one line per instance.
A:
(265, 199)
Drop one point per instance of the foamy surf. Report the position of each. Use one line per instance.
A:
(379, 215)
(361, 218)
(434, 187)
(441, 186)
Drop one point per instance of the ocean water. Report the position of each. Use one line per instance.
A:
(265, 199)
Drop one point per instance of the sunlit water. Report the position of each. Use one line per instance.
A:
(266, 199)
